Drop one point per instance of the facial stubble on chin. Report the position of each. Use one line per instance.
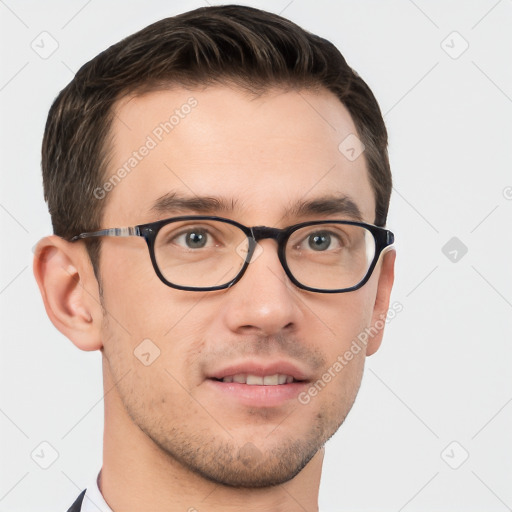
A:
(246, 466)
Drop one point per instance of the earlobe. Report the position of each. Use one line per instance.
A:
(69, 290)
(380, 310)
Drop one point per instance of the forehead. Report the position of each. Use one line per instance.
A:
(261, 154)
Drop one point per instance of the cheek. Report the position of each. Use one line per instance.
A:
(344, 321)
(151, 330)
(135, 299)
(154, 372)
(345, 317)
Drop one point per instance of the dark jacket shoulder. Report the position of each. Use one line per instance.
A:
(77, 505)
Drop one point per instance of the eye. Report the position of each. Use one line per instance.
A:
(193, 239)
(323, 241)
(319, 241)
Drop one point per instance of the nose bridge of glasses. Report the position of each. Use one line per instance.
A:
(262, 232)
(258, 233)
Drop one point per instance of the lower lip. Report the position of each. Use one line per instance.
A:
(256, 395)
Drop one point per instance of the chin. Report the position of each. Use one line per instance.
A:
(225, 462)
(250, 468)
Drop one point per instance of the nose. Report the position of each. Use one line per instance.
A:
(264, 301)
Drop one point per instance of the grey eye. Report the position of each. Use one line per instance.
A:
(196, 239)
(319, 241)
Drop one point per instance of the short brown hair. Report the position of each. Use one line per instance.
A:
(248, 47)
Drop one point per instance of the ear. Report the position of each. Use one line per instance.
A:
(69, 290)
(380, 309)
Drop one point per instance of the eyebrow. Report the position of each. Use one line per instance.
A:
(172, 203)
(329, 205)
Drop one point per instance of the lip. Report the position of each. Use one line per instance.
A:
(260, 368)
(257, 395)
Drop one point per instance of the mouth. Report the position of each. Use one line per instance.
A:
(277, 379)
(256, 384)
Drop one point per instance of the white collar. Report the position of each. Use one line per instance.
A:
(93, 499)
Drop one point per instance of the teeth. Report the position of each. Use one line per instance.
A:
(254, 379)
(271, 380)
(251, 380)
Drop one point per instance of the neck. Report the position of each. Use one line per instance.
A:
(138, 475)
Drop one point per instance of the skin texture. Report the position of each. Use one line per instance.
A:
(172, 441)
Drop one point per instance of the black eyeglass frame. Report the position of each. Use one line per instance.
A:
(383, 239)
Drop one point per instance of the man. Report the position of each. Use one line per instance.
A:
(218, 185)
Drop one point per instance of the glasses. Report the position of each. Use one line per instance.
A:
(205, 253)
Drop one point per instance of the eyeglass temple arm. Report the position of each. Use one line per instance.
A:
(129, 231)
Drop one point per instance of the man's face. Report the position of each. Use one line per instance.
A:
(261, 158)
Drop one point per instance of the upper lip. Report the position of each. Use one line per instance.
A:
(260, 368)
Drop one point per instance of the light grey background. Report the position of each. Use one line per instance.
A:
(443, 373)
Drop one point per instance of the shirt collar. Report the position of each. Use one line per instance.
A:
(93, 499)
